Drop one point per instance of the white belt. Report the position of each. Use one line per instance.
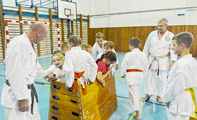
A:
(158, 57)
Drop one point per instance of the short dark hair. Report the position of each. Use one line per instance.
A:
(69, 35)
(184, 37)
(109, 44)
(75, 40)
(135, 42)
(109, 55)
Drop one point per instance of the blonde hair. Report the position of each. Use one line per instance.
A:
(99, 35)
(60, 56)
(59, 51)
(86, 47)
(65, 45)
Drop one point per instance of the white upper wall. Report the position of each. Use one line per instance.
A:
(83, 6)
(124, 13)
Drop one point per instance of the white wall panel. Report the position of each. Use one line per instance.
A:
(126, 13)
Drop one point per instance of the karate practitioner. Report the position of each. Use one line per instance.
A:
(65, 46)
(134, 64)
(22, 67)
(109, 46)
(69, 35)
(98, 46)
(56, 67)
(182, 77)
(104, 69)
(75, 64)
(157, 47)
(88, 48)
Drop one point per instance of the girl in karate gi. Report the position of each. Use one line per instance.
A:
(134, 64)
(103, 66)
(56, 67)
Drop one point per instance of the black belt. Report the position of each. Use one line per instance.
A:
(151, 65)
(33, 93)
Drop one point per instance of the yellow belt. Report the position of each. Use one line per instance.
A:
(193, 96)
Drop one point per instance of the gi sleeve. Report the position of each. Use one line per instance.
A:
(68, 69)
(50, 69)
(94, 68)
(14, 61)
(178, 86)
(94, 51)
(113, 67)
(145, 62)
(147, 44)
(124, 65)
(99, 55)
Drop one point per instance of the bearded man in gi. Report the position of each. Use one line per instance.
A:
(157, 47)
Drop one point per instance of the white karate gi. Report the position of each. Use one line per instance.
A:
(134, 60)
(22, 67)
(112, 66)
(182, 75)
(76, 61)
(96, 49)
(55, 70)
(158, 48)
(88, 72)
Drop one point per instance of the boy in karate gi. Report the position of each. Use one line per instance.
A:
(65, 46)
(109, 46)
(134, 64)
(76, 61)
(98, 46)
(182, 77)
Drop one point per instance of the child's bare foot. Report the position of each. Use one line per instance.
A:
(103, 84)
(137, 115)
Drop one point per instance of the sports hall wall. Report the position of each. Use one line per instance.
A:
(121, 20)
(9, 10)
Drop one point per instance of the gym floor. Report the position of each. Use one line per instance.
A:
(151, 110)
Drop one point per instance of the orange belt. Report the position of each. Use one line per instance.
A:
(77, 76)
(134, 70)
